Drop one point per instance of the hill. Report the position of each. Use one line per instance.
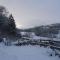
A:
(46, 31)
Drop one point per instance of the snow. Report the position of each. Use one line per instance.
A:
(44, 38)
(23, 33)
(34, 37)
(38, 37)
(25, 53)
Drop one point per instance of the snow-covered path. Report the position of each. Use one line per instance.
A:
(25, 53)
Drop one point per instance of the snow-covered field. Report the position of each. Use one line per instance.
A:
(26, 53)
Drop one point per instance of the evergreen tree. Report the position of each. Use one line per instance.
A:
(7, 23)
(12, 26)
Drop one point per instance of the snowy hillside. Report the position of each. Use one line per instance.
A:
(26, 53)
(32, 36)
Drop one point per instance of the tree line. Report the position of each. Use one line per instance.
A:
(7, 24)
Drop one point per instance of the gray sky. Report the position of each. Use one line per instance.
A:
(29, 13)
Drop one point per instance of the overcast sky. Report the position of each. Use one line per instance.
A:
(29, 13)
